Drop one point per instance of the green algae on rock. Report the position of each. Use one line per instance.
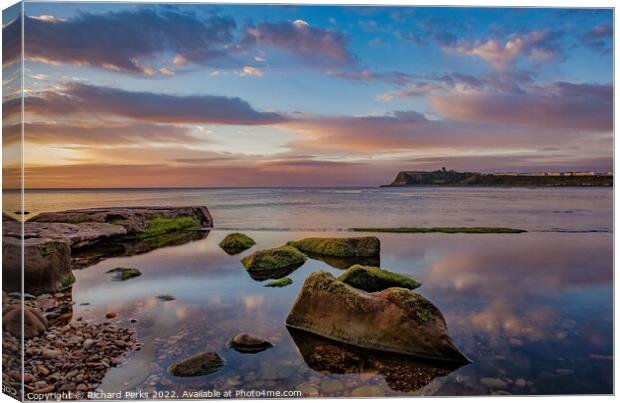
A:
(443, 230)
(340, 247)
(164, 225)
(273, 263)
(372, 279)
(125, 273)
(395, 320)
(236, 243)
(203, 363)
(249, 343)
(283, 282)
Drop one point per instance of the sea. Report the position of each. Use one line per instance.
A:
(532, 311)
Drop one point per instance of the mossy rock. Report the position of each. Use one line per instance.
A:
(164, 225)
(125, 273)
(249, 343)
(199, 364)
(340, 247)
(372, 279)
(394, 320)
(273, 263)
(236, 243)
(283, 282)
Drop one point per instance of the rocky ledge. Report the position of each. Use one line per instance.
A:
(51, 240)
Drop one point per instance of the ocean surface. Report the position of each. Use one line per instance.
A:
(533, 311)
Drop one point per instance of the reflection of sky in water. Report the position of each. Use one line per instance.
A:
(536, 306)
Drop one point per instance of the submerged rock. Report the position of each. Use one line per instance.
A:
(375, 279)
(35, 324)
(393, 320)
(166, 297)
(203, 363)
(273, 263)
(401, 372)
(283, 282)
(249, 343)
(339, 247)
(236, 243)
(125, 273)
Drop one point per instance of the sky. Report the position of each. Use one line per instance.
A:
(182, 95)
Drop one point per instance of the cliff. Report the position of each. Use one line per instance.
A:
(454, 178)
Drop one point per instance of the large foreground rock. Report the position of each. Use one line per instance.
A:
(135, 220)
(394, 320)
(340, 247)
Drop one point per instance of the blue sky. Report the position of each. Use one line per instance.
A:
(311, 95)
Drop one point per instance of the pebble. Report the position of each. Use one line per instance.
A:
(110, 315)
(494, 383)
(331, 386)
(308, 390)
(367, 391)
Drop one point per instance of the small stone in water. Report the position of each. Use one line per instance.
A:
(494, 383)
(110, 315)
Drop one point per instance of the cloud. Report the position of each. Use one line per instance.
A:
(502, 55)
(99, 133)
(560, 105)
(232, 171)
(122, 40)
(312, 44)
(252, 71)
(147, 106)
(599, 38)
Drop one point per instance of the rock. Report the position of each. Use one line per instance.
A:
(166, 297)
(203, 363)
(110, 315)
(494, 383)
(273, 263)
(236, 243)
(520, 382)
(125, 273)
(88, 343)
(249, 343)
(283, 282)
(375, 279)
(47, 264)
(368, 391)
(339, 247)
(308, 390)
(136, 220)
(331, 386)
(78, 235)
(35, 324)
(393, 320)
(50, 354)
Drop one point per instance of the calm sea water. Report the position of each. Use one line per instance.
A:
(533, 311)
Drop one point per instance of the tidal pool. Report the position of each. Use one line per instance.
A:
(532, 311)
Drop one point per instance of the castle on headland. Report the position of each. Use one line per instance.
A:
(444, 177)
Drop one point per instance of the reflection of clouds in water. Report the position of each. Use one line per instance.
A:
(500, 317)
(502, 266)
(253, 302)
